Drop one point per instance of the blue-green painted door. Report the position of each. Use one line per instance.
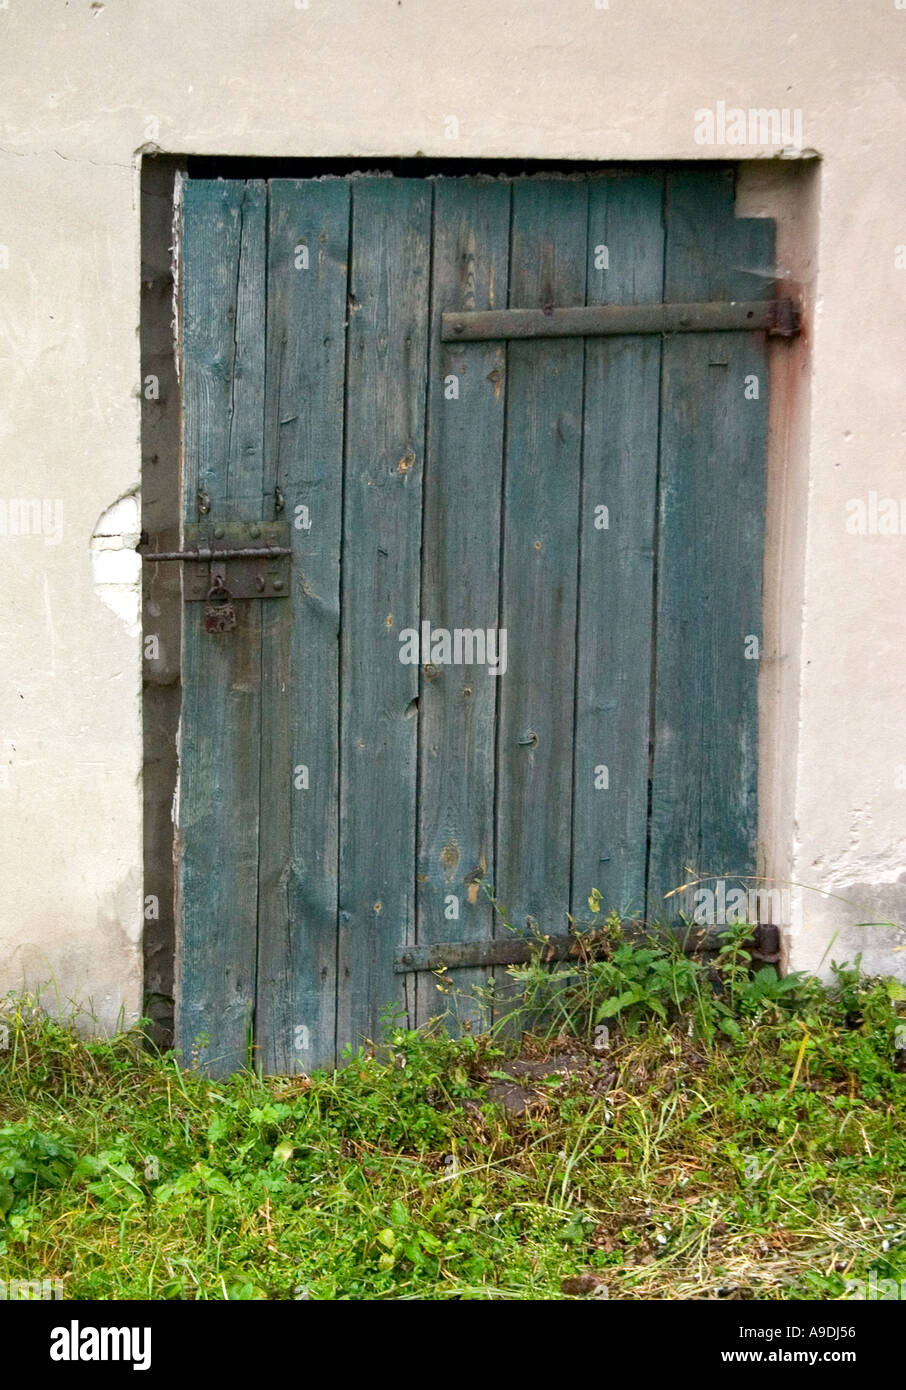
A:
(579, 521)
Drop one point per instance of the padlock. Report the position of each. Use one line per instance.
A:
(219, 613)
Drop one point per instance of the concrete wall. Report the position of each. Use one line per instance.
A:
(87, 87)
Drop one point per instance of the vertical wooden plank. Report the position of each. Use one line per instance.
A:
(386, 373)
(460, 576)
(619, 503)
(710, 548)
(223, 296)
(540, 560)
(308, 236)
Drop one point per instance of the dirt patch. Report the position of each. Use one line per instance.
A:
(528, 1083)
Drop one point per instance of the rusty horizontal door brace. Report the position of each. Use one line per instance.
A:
(514, 950)
(779, 318)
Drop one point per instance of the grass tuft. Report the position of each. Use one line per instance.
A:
(670, 1129)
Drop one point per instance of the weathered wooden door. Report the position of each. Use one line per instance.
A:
(574, 507)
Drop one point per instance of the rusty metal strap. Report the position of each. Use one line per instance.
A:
(778, 317)
(515, 950)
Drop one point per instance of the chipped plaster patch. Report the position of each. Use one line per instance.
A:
(116, 566)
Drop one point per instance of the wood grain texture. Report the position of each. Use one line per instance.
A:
(297, 906)
(472, 511)
(711, 533)
(540, 561)
(223, 289)
(619, 473)
(460, 576)
(385, 425)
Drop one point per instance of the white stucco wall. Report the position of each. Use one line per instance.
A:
(86, 86)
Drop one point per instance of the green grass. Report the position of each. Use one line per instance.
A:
(749, 1143)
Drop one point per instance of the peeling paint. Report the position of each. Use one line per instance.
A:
(449, 858)
(116, 566)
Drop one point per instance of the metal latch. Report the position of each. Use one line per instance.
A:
(246, 559)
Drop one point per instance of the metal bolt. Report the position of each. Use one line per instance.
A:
(259, 582)
(219, 533)
(278, 584)
(254, 532)
(407, 958)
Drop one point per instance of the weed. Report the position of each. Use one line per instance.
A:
(685, 1158)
